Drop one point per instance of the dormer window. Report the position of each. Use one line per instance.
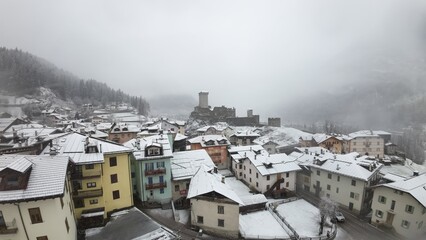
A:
(92, 149)
(210, 142)
(12, 181)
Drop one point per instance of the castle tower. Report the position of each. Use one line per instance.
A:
(203, 98)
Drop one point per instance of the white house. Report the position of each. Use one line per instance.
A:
(401, 205)
(214, 206)
(346, 179)
(35, 198)
(365, 142)
(264, 172)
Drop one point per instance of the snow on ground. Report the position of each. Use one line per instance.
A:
(159, 234)
(302, 216)
(93, 231)
(261, 225)
(283, 136)
(183, 216)
(342, 235)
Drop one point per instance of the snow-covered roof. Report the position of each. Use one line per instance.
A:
(248, 148)
(416, 186)
(180, 137)
(367, 133)
(247, 133)
(74, 146)
(205, 182)
(185, 164)
(348, 165)
(404, 170)
(138, 146)
(266, 163)
(216, 140)
(46, 179)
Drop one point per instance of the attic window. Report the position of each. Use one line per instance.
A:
(154, 151)
(125, 129)
(92, 149)
(12, 181)
(210, 142)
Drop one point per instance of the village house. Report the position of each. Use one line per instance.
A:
(151, 168)
(215, 207)
(401, 206)
(266, 173)
(184, 165)
(365, 142)
(168, 126)
(243, 138)
(215, 145)
(333, 143)
(346, 179)
(121, 133)
(218, 129)
(100, 175)
(35, 201)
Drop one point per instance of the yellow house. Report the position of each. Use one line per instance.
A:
(35, 201)
(100, 175)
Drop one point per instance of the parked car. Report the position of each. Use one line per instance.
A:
(338, 217)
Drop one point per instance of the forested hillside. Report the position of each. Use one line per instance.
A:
(21, 73)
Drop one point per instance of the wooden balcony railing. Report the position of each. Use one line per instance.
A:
(155, 185)
(88, 193)
(155, 171)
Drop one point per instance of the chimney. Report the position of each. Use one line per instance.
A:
(416, 173)
(100, 148)
(215, 170)
(223, 179)
(338, 167)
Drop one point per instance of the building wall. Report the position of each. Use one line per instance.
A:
(374, 146)
(218, 154)
(181, 190)
(417, 219)
(157, 195)
(124, 184)
(53, 219)
(209, 211)
(332, 144)
(340, 188)
(251, 175)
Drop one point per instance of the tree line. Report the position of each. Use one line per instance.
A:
(22, 73)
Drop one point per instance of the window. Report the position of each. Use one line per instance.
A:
(268, 178)
(114, 178)
(161, 190)
(220, 209)
(91, 184)
(200, 219)
(287, 184)
(250, 170)
(352, 195)
(318, 172)
(62, 202)
(287, 174)
(93, 201)
(35, 215)
(160, 164)
(329, 176)
(67, 225)
(244, 175)
(353, 183)
(241, 174)
(379, 214)
(244, 167)
(382, 199)
(250, 179)
(112, 161)
(133, 174)
(328, 187)
(267, 186)
(177, 188)
(149, 166)
(405, 224)
(89, 166)
(409, 208)
(338, 178)
(257, 175)
(240, 166)
(42, 238)
(78, 203)
(221, 223)
(337, 190)
(116, 194)
(328, 195)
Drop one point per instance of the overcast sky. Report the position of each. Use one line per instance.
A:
(247, 54)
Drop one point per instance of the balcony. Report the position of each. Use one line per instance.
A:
(86, 174)
(155, 171)
(155, 185)
(9, 227)
(88, 193)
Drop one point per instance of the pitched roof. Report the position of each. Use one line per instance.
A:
(46, 179)
(207, 138)
(73, 145)
(185, 164)
(205, 182)
(415, 186)
(20, 165)
(138, 146)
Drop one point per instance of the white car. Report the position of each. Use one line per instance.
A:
(338, 216)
